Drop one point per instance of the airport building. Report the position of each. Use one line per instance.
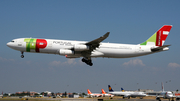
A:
(31, 93)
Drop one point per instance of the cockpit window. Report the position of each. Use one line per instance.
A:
(12, 41)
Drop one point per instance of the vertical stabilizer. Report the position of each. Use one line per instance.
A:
(110, 89)
(122, 89)
(158, 38)
(162, 86)
(103, 92)
(89, 92)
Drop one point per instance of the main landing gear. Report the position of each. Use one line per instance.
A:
(87, 61)
(22, 56)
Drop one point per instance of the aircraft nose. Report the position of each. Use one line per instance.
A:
(9, 44)
(169, 96)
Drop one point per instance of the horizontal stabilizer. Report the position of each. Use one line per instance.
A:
(160, 48)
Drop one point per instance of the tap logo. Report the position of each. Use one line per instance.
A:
(159, 37)
(35, 44)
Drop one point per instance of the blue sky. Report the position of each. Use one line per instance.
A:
(130, 22)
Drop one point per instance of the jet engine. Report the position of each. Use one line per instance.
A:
(81, 47)
(66, 52)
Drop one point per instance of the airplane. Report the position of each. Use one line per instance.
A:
(126, 94)
(1, 94)
(166, 95)
(93, 49)
(93, 94)
(105, 94)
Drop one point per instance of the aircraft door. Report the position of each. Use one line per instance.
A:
(49, 44)
(20, 44)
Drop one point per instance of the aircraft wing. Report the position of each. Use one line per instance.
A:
(95, 43)
(98, 40)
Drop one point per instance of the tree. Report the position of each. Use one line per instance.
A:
(74, 93)
(65, 94)
(52, 94)
(5, 94)
(13, 94)
(36, 94)
(84, 94)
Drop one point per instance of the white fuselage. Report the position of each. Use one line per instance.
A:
(108, 95)
(74, 49)
(166, 95)
(128, 94)
(94, 95)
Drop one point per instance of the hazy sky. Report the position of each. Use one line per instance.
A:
(130, 22)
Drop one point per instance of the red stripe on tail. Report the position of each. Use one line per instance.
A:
(161, 34)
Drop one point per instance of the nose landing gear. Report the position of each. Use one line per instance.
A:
(22, 56)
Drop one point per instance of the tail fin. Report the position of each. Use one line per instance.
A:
(110, 89)
(162, 86)
(89, 92)
(103, 92)
(158, 38)
(122, 89)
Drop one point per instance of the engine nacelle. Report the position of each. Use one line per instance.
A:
(81, 47)
(66, 52)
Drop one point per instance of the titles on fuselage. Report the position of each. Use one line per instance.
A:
(62, 43)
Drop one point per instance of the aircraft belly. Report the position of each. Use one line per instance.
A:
(122, 53)
(116, 53)
(49, 51)
(20, 49)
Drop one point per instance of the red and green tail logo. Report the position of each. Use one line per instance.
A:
(158, 38)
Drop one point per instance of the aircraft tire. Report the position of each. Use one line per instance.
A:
(22, 56)
(83, 60)
(90, 64)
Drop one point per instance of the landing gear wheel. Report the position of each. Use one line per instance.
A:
(83, 60)
(90, 64)
(22, 56)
